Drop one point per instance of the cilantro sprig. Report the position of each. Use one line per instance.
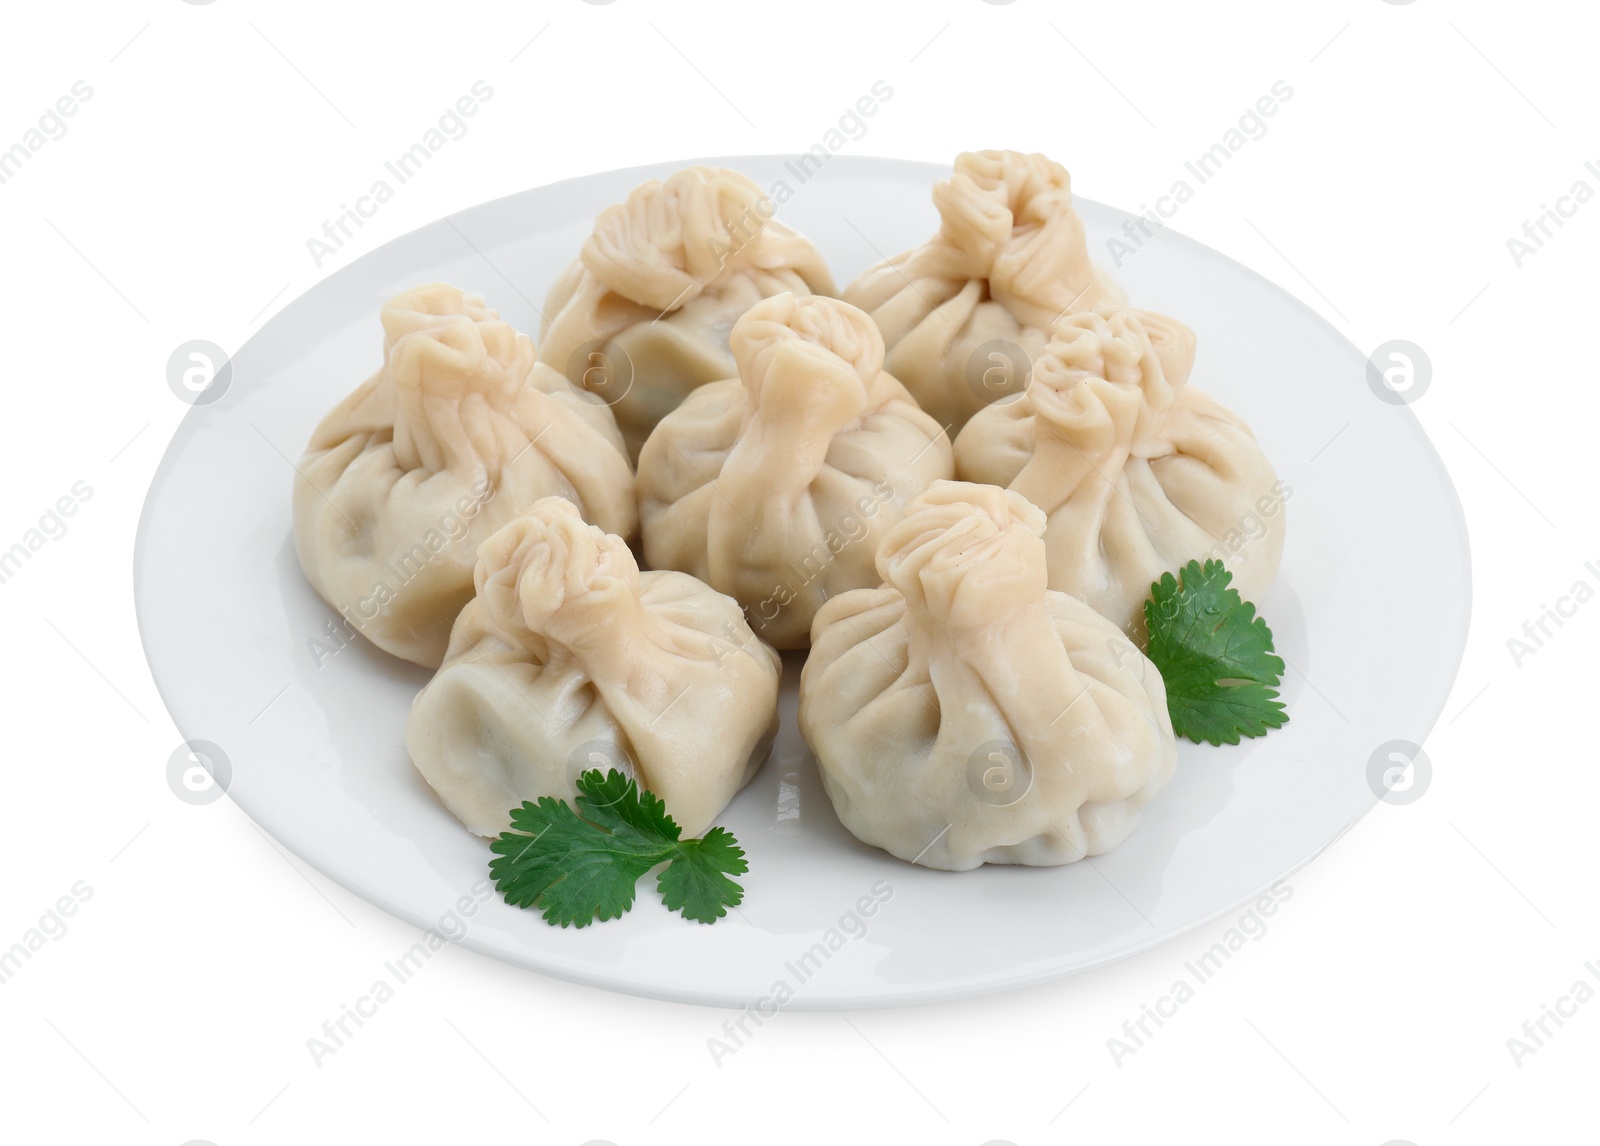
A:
(582, 864)
(1215, 655)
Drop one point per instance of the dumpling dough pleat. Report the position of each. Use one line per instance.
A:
(964, 714)
(455, 435)
(642, 317)
(776, 486)
(1138, 473)
(568, 658)
(964, 314)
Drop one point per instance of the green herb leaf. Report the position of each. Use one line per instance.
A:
(696, 882)
(1215, 655)
(580, 865)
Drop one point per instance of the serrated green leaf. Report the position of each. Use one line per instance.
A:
(580, 864)
(618, 804)
(1222, 714)
(696, 882)
(1215, 655)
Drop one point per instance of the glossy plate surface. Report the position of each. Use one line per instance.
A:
(316, 744)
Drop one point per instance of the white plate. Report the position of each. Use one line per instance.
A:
(1370, 610)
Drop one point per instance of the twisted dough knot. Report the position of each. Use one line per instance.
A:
(1101, 381)
(548, 573)
(966, 553)
(667, 242)
(1007, 218)
(443, 341)
(813, 348)
(436, 305)
(444, 350)
(1108, 342)
(991, 194)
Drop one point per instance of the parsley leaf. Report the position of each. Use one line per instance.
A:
(1215, 655)
(696, 882)
(581, 864)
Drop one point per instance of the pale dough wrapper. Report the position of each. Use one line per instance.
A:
(964, 713)
(642, 316)
(568, 658)
(457, 433)
(965, 313)
(776, 486)
(1137, 472)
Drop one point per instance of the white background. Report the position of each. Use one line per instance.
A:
(219, 137)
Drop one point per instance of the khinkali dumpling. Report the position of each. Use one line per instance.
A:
(964, 314)
(1137, 472)
(457, 433)
(776, 486)
(642, 316)
(964, 713)
(569, 659)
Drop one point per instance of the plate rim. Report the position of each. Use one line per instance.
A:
(596, 978)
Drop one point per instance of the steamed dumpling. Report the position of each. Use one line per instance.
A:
(568, 658)
(457, 433)
(1137, 472)
(964, 314)
(776, 486)
(642, 316)
(963, 713)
